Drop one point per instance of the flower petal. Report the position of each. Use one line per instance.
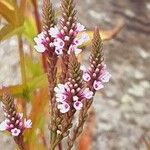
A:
(78, 105)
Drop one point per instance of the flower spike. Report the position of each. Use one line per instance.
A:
(14, 122)
(97, 73)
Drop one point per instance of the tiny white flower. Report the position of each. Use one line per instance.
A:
(67, 38)
(63, 107)
(59, 43)
(54, 31)
(51, 44)
(27, 123)
(60, 97)
(80, 27)
(97, 85)
(75, 98)
(15, 132)
(59, 51)
(105, 77)
(86, 77)
(85, 37)
(75, 50)
(87, 93)
(78, 105)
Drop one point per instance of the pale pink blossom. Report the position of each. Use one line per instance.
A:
(15, 132)
(54, 32)
(105, 76)
(59, 51)
(86, 76)
(59, 43)
(80, 27)
(75, 98)
(63, 107)
(74, 49)
(87, 93)
(78, 105)
(97, 85)
(27, 123)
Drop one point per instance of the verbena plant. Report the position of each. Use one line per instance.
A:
(71, 86)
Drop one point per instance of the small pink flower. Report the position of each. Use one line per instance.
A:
(105, 77)
(97, 85)
(27, 123)
(59, 51)
(87, 93)
(80, 27)
(85, 37)
(75, 98)
(86, 77)
(63, 107)
(74, 49)
(59, 43)
(15, 132)
(54, 32)
(61, 92)
(67, 38)
(78, 105)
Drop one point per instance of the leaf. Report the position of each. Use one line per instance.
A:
(29, 29)
(8, 12)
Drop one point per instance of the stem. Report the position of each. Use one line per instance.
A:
(19, 141)
(22, 60)
(60, 146)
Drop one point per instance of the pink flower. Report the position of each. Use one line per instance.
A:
(80, 27)
(61, 90)
(59, 51)
(59, 43)
(105, 76)
(79, 41)
(75, 98)
(86, 76)
(74, 49)
(87, 93)
(54, 32)
(97, 85)
(15, 132)
(78, 105)
(27, 123)
(63, 107)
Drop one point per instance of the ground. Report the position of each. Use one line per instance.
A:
(123, 107)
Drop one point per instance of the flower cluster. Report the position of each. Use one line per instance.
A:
(43, 42)
(70, 95)
(95, 77)
(15, 125)
(61, 38)
(14, 122)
